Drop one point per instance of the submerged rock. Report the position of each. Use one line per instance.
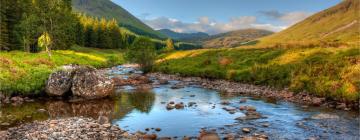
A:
(179, 105)
(90, 84)
(243, 100)
(163, 81)
(177, 86)
(170, 106)
(324, 116)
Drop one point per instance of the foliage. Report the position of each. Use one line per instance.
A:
(26, 73)
(100, 33)
(143, 53)
(169, 45)
(325, 72)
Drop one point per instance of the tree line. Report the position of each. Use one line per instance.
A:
(32, 25)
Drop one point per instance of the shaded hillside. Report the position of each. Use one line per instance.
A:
(108, 9)
(183, 36)
(234, 38)
(340, 23)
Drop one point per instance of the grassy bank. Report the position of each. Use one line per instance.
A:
(26, 73)
(328, 72)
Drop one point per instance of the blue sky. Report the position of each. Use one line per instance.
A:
(216, 16)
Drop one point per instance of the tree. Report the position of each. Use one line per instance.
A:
(4, 32)
(143, 53)
(53, 17)
(115, 34)
(169, 45)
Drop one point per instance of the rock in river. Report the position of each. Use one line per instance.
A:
(60, 81)
(324, 116)
(208, 136)
(90, 84)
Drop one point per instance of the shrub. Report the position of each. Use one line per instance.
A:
(142, 52)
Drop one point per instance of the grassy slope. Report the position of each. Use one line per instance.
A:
(26, 73)
(108, 9)
(234, 38)
(341, 22)
(326, 72)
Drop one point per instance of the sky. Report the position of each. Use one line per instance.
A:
(218, 16)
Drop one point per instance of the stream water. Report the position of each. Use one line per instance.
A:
(136, 110)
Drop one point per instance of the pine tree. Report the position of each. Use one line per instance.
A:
(114, 34)
(4, 32)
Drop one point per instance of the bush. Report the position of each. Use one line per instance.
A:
(142, 52)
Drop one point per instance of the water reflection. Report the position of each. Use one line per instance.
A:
(142, 100)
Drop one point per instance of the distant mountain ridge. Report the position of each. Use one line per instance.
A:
(340, 23)
(183, 36)
(109, 10)
(234, 38)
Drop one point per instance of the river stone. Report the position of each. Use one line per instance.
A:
(209, 136)
(324, 116)
(60, 81)
(90, 84)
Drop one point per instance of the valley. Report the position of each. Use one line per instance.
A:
(109, 69)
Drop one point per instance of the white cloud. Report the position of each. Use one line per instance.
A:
(205, 24)
(289, 18)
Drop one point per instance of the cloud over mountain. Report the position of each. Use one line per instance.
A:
(205, 24)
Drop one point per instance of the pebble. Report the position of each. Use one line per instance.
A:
(225, 102)
(243, 100)
(246, 130)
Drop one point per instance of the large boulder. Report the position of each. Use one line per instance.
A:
(60, 81)
(90, 84)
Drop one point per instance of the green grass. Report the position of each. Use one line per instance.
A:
(25, 73)
(327, 72)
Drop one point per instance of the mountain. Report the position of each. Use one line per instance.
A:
(108, 9)
(234, 38)
(340, 23)
(183, 36)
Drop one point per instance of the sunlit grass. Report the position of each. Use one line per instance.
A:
(330, 72)
(92, 57)
(26, 73)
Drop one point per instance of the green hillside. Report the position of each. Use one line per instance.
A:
(340, 23)
(234, 38)
(108, 9)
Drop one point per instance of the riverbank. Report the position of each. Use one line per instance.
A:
(70, 128)
(328, 72)
(265, 92)
(25, 73)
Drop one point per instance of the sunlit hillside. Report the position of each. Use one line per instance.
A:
(340, 23)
